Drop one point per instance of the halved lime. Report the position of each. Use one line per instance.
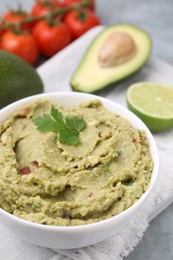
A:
(153, 103)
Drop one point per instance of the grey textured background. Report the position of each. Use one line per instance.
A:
(156, 17)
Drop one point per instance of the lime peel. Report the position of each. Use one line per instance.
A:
(153, 103)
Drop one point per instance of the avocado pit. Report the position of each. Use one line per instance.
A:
(118, 48)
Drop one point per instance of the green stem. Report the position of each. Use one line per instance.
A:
(16, 28)
(56, 11)
(82, 15)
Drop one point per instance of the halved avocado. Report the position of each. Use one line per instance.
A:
(91, 75)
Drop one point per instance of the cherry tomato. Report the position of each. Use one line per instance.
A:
(79, 24)
(1, 32)
(17, 16)
(66, 3)
(23, 45)
(51, 39)
(43, 7)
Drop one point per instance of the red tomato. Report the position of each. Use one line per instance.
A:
(1, 31)
(51, 39)
(65, 3)
(25, 170)
(43, 7)
(79, 26)
(17, 16)
(23, 45)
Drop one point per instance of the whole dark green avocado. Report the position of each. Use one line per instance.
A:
(18, 79)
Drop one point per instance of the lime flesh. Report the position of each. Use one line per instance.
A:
(153, 103)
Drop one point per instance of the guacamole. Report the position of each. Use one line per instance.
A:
(48, 182)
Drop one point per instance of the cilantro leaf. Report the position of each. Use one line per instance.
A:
(69, 137)
(58, 117)
(74, 123)
(46, 124)
(68, 127)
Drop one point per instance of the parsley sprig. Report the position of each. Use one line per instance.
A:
(68, 127)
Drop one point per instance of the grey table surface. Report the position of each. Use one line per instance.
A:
(156, 17)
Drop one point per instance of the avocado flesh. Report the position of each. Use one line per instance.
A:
(90, 77)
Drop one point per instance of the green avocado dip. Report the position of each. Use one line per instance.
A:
(50, 182)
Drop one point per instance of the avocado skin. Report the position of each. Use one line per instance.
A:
(18, 79)
(112, 81)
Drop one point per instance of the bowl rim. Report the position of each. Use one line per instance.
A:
(98, 224)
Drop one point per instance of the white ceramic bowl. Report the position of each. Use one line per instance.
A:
(60, 237)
